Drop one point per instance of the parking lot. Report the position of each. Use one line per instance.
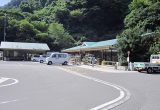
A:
(35, 86)
(42, 87)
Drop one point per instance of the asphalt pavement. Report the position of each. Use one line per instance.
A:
(43, 87)
(35, 86)
(144, 88)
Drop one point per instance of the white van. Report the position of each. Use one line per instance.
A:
(58, 58)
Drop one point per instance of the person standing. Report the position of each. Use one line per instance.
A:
(93, 61)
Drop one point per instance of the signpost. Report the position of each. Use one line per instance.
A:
(128, 59)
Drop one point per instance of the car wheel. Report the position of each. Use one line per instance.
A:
(65, 63)
(34, 60)
(49, 63)
(149, 70)
(41, 61)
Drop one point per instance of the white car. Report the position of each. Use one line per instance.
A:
(42, 58)
(35, 58)
(58, 58)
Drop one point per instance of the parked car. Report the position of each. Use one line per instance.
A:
(42, 58)
(35, 58)
(58, 58)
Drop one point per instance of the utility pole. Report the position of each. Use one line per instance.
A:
(5, 24)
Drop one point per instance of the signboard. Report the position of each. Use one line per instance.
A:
(127, 59)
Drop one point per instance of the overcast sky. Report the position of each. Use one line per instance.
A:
(3, 2)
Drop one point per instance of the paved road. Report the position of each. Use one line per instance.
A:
(41, 87)
(144, 88)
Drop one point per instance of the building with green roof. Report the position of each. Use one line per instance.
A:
(102, 49)
(22, 50)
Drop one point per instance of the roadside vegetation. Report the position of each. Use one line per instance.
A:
(143, 17)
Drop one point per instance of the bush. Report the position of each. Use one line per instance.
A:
(124, 64)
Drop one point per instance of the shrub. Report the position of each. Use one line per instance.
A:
(124, 64)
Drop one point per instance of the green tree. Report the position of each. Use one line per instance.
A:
(40, 25)
(26, 31)
(25, 7)
(143, 18)
(62, 39)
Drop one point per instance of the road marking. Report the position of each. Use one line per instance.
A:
(6, 102)
(5, 79)
(123, 97)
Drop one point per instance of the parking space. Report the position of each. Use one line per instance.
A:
(47, 87)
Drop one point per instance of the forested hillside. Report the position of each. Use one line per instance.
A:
(58, 21)
(66, 23)
(141, 35)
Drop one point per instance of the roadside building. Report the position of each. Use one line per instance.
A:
(21, 50)
(105, 50)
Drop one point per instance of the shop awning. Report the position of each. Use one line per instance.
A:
(93, 46)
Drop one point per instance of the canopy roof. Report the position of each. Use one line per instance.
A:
(89, 46)
(151, 34)
(24, 46)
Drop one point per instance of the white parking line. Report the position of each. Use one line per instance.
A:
(2, 79)
(6, 102)
(5, 79)
(123, 97)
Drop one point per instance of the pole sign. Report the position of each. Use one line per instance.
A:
(128, 53)
(127, 59)
(128, 56)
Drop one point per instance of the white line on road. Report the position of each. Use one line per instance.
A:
(5, 79)
(123, 97)
(6, 102)
(2, 79)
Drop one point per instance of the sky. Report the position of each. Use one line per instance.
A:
(3, 2)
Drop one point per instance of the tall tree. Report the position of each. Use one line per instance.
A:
(143, 18)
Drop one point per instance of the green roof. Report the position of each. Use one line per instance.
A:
(84, 45)
(73, 48)
(150, 33)
(89, 43)
(92, 45)
(146, 34)
(105, 43)
(24, 46)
